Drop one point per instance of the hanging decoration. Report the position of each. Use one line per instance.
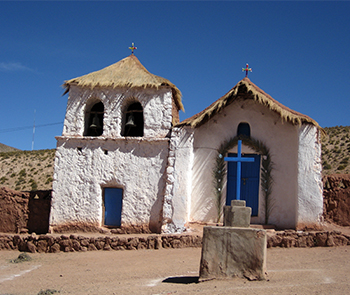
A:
(220, 171)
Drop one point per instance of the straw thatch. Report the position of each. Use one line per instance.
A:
(245, 89)
(128, 72)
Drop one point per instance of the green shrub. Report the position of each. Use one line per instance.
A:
(22, 173)
(327, 167)
(48, 180)
(3, 180)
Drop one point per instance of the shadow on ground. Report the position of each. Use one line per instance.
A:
(181, 280)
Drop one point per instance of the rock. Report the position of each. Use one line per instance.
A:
(42, 246)
(176, 244)
(92, 247)
(114, 245)
(107, 247)
(76, 245)
(55, 248)
(31, 247)
(321, 239)
(84, 242)
(288, 242)
(330, 241)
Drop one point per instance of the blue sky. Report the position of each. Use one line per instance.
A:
(299, 53)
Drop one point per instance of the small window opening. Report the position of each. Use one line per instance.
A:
(79, 150)
(106, 152)
(134, 120)
(243, 130)
(95, 120)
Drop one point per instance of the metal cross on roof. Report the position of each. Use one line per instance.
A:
(132, 48)
(239, 159)
(246, 69)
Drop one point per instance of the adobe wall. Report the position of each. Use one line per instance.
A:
(310, 188)
(176, 207)
(156, 103)
(22, 212)
(84, 166)
(336, 195)
(266, 126)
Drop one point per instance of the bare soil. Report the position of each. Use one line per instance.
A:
(290, 271)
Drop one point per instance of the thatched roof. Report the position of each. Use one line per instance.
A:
(128, 72)
(245, 89)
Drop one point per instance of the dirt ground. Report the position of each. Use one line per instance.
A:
(290, 271)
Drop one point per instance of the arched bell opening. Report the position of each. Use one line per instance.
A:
(243, 130)
(94, 120)
(133, 120)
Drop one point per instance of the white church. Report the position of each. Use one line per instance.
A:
(124, 158)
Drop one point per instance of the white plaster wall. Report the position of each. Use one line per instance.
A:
(280, 138)
(310, 194)
(136, 165)
(177, 197)
(156, 103)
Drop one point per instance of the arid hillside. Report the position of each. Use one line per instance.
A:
(336, 150)
(33, 170)
(27, 170)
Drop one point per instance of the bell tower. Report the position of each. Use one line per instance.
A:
(115, 139)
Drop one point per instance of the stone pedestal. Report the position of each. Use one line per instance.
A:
(230, 252)
(237, 215)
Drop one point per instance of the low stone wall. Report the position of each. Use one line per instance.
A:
(291, 238)
(75, 242)
(72, 243)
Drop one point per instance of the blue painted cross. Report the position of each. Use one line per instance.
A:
(239, 159)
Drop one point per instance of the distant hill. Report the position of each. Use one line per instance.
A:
(33, 170)
(336, 150)
(27, 170)
(5, 148)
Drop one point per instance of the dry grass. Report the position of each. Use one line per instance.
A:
(27, 170)
(245, 89)
(336, 150)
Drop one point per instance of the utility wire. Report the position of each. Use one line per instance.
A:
(27, 127)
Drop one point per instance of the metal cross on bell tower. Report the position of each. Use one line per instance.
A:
(246, 70)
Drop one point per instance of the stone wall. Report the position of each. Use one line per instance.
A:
(73, 243)
(336, 202)
(76, 242)
(22, 212)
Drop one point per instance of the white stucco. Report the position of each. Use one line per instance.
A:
(156, 103)
(167, 174)
(177, 201)
(136, 166)
(266, 126)
(310, 193)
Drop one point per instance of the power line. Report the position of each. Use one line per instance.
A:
(27, 127)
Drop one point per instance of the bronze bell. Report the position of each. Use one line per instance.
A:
(95, 122)
(130, 122)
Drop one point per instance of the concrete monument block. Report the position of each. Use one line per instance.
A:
(230, 252)
(237, 215)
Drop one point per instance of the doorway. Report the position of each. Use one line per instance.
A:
(250, 178)
(112, 203)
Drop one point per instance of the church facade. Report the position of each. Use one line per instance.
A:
(124, 159)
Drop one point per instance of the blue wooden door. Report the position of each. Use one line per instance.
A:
(249, 182)
(113, 199)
